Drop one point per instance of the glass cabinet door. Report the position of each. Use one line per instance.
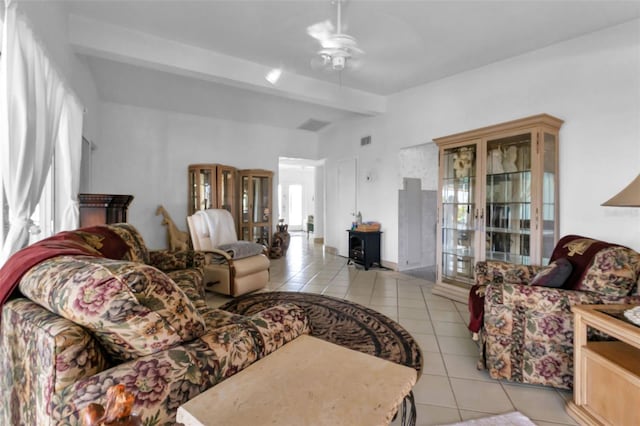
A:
(206, 201)
(549, 196)
(508, 199)
(255, 222)
(459, 212)
(261, 211)
(193, 191)
(201, 187)
(226, 189)
(245, 199)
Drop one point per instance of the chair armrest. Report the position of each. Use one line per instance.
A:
(497, 271)
(166, 260)
(544, 300)
(211, 253)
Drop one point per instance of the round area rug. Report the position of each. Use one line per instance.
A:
(342, 322)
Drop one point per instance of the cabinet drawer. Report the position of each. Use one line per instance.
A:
(612, 382)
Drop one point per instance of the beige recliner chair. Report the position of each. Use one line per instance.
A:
(233, 267)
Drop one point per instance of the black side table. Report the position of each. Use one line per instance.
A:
(364, 248)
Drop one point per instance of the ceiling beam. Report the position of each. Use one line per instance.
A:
(122, 44)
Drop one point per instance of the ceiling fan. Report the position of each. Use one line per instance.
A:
(339, 50)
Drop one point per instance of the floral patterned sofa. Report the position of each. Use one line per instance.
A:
(106, 310)
(527, 330)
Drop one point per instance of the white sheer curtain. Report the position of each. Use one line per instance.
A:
(68, 159)
(32, 96)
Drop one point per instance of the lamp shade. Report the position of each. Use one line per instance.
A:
(628, 197)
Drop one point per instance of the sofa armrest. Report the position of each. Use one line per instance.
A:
(166, 260)
(40, 354)
(280, 324)
(163, 381)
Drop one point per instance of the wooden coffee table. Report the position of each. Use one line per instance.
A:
(306, 382)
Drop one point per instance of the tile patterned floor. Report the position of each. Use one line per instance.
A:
(451, 389)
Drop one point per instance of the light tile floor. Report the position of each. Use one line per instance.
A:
(451, 389)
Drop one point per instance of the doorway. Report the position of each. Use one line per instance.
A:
(298, 195)
(295, 207)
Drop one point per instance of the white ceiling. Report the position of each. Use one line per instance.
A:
(209, 57)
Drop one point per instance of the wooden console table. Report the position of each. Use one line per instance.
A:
(606, 373)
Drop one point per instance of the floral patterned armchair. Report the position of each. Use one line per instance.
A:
(527, 330)
(103, 316)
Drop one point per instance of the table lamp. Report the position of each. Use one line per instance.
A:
(628, 197)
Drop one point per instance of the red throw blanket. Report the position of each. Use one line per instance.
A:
(97, 241)
(476, 308)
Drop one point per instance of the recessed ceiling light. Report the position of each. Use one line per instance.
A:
(274, 75)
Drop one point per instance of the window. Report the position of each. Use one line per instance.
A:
(44, 213)
(42, 217)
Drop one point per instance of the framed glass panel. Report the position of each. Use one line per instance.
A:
(226, 190)
(245, 200)
(261, 235)
(507, 210)
(193, 192)
(548, 215)
(261, 211)
(206, 201)
(458, 212)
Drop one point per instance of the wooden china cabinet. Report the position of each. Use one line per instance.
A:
(256, 206)
(212, 186)
(498, 199)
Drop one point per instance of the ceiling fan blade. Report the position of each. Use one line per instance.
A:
(321, 30)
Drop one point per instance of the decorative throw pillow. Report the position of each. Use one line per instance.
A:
(580, 251)
(553, 275)
(133, 309)
(613, 271)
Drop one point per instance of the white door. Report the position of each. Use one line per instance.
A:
(346, 202)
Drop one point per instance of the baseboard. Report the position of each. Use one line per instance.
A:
(580, 415)
(390, 265)
(451, 291)
(331, 250)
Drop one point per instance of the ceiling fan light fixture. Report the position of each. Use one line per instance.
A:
(273, 75)
(338, 49)
(338, 63)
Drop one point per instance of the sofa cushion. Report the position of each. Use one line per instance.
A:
(133, 309)
(613, 271)
(553, 275)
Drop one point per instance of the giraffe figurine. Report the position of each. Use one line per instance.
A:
(178, 240)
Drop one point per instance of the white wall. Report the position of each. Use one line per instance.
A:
(591, 82)
(146, 153)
